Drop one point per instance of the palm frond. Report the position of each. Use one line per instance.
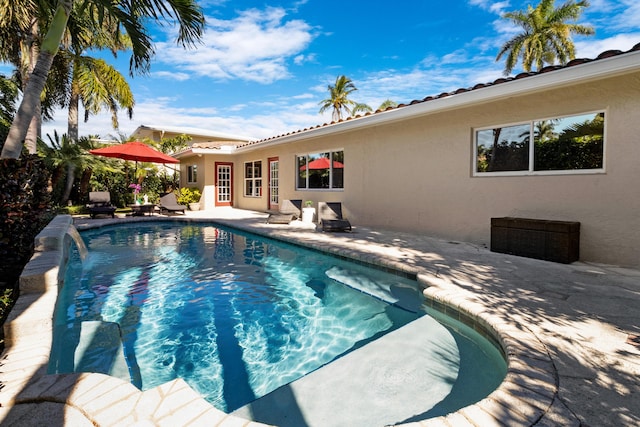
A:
(546, 35)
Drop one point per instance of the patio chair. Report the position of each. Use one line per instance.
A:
(169, 204)
(330, 217)
(289, 210)
(100, 204)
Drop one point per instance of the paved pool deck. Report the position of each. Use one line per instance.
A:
(571, 334)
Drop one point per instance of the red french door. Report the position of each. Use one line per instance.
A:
(274, 194)
(224, 184)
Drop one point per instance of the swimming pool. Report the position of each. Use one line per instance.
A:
(235, 315)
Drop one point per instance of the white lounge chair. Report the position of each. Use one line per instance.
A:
(289, 211)
(330, 217)
(169, 204)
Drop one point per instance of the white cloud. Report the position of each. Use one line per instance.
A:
(237, 107)
(498, 7)
(303, 96)
(302, 59)
(614, 15)
(259, 120)
(589, 48)
(255, 46)
(460, 56)
(629, 18)
(171, 75)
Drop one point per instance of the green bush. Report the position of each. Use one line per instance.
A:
(25, 209)
(74, 210)
(186, 195)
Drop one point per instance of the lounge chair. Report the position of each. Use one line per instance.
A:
(289, 210)
(330, 217)
(169, 204)
(100, 204)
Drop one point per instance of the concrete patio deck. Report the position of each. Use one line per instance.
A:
(570, 333)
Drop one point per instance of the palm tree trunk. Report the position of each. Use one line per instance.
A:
(494, 150)
(85, 180)
(72, 118)
(18, 130)
(71, 177)
(33, 133)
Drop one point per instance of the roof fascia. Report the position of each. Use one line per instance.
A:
(577, 74)
(224, 150)
(201, 133)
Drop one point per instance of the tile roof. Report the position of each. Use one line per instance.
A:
(547, 69)
(194, 132)
(212, 144)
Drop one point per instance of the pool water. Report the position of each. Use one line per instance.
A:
(236, 316)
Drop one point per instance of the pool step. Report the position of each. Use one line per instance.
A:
(93, 346)
(420, 359)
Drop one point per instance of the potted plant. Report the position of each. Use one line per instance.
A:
(189, 196)
(308, 212)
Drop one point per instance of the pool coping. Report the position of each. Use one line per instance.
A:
(528, 393)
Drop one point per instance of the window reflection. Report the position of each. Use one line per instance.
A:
(567, 143)
(321, 170)
(253, 179)
(504, 149)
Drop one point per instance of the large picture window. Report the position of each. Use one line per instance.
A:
(320, 171)
(574, 143)
(253, 179)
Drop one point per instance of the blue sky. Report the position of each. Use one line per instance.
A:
(264, 66)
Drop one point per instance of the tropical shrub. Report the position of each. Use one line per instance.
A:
(25, 209)
(186, 195)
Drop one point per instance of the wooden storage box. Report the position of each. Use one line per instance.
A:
(557, 241)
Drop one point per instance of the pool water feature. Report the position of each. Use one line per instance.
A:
(235, 315)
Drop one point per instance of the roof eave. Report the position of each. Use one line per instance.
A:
(194, 132)
(189, 152)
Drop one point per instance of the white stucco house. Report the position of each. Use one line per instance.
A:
(559, 144)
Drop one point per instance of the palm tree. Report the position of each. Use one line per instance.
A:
(63, 157)
(131, 17)
(339, 98)
(20, 25)
(546, 36)
(360, 108)
(544, 130)
(97, 84)
(93, 81)
(387, 104)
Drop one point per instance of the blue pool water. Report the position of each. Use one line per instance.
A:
(234, 315)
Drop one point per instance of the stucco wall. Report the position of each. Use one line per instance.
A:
(202, 175)
(417, 174)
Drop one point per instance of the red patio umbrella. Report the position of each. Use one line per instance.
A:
(321, 163)
(136, 151)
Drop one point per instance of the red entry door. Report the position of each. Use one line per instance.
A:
(274, 194)
(224, 184)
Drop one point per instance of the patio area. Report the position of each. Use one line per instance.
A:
(570, 332)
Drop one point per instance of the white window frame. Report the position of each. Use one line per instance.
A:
(256, 181)
(192, 172)
(330, 188)
(530, 171)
